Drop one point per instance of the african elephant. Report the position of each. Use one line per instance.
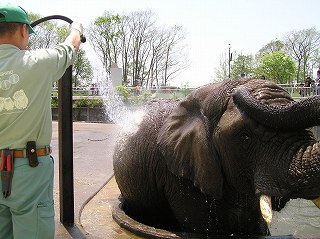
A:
(208, 163)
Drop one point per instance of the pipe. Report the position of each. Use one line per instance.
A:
(54, 17)
(66, 186)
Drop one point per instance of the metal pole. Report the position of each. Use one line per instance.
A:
(66, 148)
(229, 59)
(65, 136)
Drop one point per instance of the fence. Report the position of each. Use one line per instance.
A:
(299, 91)
(295, 91)
(131, 92)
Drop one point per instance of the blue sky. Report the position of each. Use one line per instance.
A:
(210, 24)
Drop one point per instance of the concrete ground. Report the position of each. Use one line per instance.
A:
(92, 153)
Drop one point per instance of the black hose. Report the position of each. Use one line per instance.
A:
(58, 17)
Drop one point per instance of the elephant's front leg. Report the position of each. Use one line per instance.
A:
(242, 220)
(240, 214)
(201, 213)
(193, 210)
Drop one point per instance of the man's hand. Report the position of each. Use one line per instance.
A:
(77, 26)
(76, 30)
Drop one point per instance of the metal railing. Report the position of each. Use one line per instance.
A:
(295, 91)
(92, 93)
(300, 91)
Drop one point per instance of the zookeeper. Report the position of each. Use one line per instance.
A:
(26, 77)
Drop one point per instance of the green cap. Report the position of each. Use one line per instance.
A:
(14, 13)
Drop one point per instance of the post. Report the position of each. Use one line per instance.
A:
(66, 148)
(229, 60)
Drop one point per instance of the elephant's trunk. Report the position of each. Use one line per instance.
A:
(304, 177)
(298, 114)
(304, 171)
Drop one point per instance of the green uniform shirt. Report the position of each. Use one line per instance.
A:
(26, 79)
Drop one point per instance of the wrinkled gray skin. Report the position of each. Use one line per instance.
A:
(199, 165)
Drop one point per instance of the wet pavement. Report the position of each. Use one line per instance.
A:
(96, 217)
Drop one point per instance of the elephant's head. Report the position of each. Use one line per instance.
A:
(247, 135)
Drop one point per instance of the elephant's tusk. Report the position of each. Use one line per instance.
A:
(317, 202)
(266, 208)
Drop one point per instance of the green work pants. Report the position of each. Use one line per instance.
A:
(28, 213)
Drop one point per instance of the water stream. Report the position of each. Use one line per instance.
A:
(128, 118)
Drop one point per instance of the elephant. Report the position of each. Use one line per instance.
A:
(220, 160)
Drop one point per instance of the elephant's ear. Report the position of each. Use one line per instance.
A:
(184, 142)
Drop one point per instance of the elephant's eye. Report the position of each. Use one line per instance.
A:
(245, 137)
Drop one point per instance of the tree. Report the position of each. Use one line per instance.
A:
(221, 72)
(147, 53)
(242, 64)
(46, 33)
(142, 28)
(104, 35)
(49, 34)
(82, 70)
(301, 46)
(272, 46)
(279, 67)
(173, 59)
(315, 60)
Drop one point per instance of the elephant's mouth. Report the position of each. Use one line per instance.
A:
(266, 207)
(301, 179)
